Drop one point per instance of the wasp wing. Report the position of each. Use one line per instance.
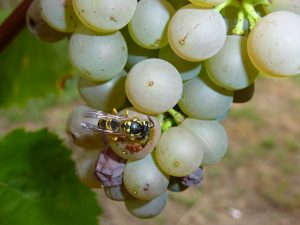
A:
(103, 115)
(93, 128)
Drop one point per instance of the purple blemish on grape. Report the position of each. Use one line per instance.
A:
(193, 179)
(110, 168)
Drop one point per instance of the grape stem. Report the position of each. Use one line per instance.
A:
(15, 22)
(177, 116)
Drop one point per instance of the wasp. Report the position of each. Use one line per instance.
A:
(117, 126)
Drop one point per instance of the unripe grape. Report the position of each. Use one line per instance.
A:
(104, 96)
(38, 26)
(179, 152)
(146, 209)
(97, 57)
(105, 15)
(153, 86)
(274, 46)
(143, 178)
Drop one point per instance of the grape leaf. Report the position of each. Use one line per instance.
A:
(30, 68)
(38, 185)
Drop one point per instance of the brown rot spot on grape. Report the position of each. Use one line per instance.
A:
(146, 187)
(150, 83)
(134, 147)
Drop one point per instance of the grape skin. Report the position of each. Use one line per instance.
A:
(116, 193)
(179, 152)
(151, 33)
(146, 209)
(96, 56)
(283, 5)
(143, 179)
(104, 96)
(207, 3)
(202, 99)
(105, 15)
(153, 86)
(196, 34)
(268, 43)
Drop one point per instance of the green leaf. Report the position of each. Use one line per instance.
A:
(30, 68)
(38, 185)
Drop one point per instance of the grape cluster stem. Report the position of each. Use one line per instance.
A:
(167, 122)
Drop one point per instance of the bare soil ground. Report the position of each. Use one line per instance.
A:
(258, 179)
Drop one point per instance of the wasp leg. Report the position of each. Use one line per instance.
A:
(114, 111)
(126, 112)
(114, 138)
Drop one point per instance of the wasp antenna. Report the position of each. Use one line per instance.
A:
(114, 111)
(151, 122)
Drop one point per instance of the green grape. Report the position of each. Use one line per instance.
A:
(207, 3)
(38, 26)
(78, 135)
(153, 86)
(147, 209)
(104, 96)
(202, 99)
(133, 149)
(105, 15)
(149, 23)
(136, 53)
(97, 57)
(116, 193)
(274, 46)
(283, 5)
(212, 134)
(143, 179)
(231, 67)
(196, 34)
(179, 152)
(187, 70)
(59, 14)
(85, 161)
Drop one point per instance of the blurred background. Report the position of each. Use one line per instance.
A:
(257, 182)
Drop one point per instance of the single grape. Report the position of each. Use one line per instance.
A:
(274, 46)
(134, 150)
(104, 96)
(136, 53)
(244, 95)
(283, 5)
(78, 135)
(202, 99)
(149, 23)
(213, 136)
(38, 26)
(231, 67)
(196, 34)
(85, 164)
(116, 193)
(110, 168)
(143, 179)
(179, 152)
(146, 209)
(59, 14)
(105, 15)
(153, 86)
(187, 70)
(207, 3)
(96, 56)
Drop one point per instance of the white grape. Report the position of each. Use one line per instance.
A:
(274, 46)
(96, 56)
(59, 14)
(104, 96)
(105, 15)
(143, 179)
(231, 67)
(196, 34)
(149, 23)
(153, 86)
(147, 209)
(179, 152)
(202, 99)
(116, 193)
(187, 70)
(283, 5)
(212, 134)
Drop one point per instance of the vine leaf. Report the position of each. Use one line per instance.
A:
(30, 68)
(38, 183)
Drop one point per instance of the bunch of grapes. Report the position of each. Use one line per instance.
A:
(172, 69)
